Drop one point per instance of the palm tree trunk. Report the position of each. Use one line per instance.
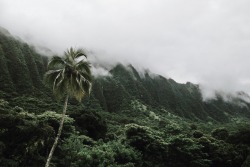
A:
(58, 133)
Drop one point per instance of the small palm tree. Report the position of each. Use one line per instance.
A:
(69, 76)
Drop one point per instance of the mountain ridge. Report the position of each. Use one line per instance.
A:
(131, 118)
(23, 69)
(175, 97)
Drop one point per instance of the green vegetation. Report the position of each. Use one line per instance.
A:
(128, 120)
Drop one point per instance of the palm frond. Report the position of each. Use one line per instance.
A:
(61, 89)
(56, 62)
(62, 77)
(78, 91)
(83, 66)
(50, 76)
(57, 80)
(79, 53)
(68, 76)
(69, 55)
(85, 76)
(87, 86)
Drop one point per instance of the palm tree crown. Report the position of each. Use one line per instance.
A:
(69, 75)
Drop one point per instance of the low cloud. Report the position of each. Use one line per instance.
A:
(205, 42)
(100, 71)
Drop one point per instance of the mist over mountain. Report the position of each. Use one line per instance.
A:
(170, 86)
(133, 117)
(118, 86)
(204, 42)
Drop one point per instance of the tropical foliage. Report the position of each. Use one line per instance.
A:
(69, 75)
(129, 120)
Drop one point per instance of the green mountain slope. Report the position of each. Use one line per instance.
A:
(129, 120)
(118, 91)
(23, 69)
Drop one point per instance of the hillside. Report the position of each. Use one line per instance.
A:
(130, 119)
(125, 86)
(22, 70)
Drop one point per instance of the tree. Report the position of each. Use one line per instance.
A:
(69, 76)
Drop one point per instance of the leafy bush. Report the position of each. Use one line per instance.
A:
(90, 123)
(241, 136)
(220, 133)
(97, 154)
(33, 104)
(3, 103)
(223, 154)
(151, 145)
(184, 151)
(193, 127)
(24, 139)
(172, 128)
(197, 134)
(53, 119)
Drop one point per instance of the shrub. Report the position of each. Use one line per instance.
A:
(90, 123)
(99, 154)
(23, 139)
(184, 151)
(241, 136)
(53, 119)
(18, 109)
(151, 145)
(193, 127)
(3, 103)
(197, 134)
(220, 133)
(221, 153)
(173, 128)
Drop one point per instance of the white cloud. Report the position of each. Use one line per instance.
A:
(99, 71)
(203, 41)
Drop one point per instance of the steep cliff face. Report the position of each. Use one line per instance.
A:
(131, 118)
(117, 92)
(22, 70)
(22, 67)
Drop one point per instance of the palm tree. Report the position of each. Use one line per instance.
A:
(69, 76)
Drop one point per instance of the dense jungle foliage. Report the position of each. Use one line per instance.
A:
(129, 120)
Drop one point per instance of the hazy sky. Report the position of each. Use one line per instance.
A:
(202, 41)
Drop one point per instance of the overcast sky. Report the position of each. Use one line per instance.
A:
(203, 41)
